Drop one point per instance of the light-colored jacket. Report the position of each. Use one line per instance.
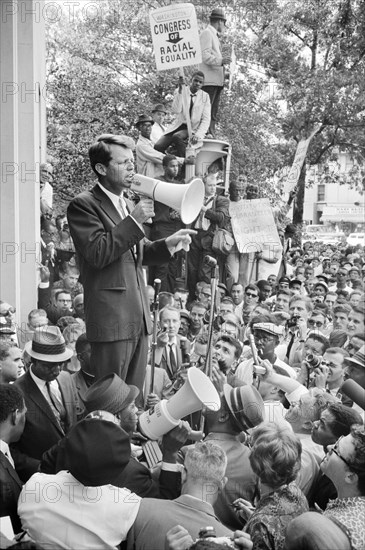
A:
(212, 57)
(200, 114)
(149, 161)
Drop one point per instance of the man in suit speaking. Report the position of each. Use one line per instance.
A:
(107, 231)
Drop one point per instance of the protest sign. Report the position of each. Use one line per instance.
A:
(300, 154)
(253, 225)
(175, 36)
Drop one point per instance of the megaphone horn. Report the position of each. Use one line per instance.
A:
(186, 198)
(197, 392)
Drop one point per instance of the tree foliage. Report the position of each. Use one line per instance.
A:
(102, 74)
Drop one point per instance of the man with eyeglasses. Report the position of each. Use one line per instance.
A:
(7, 321)
(341, 281)
(331, 372)
(62, 301)
(342, 523)
(109, 238)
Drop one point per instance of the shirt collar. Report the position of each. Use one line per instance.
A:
(114, 198)
(38, 381)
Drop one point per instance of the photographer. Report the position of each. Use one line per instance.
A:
(300, 308)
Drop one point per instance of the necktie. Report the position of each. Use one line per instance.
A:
(10, 458)
(173, 364)
(122, 208)
(290, 345)
(56, 403)
(191, 103)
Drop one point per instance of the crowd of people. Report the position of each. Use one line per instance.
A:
(129, 299)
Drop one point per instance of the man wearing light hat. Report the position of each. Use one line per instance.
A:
(50, 397)
(149, 160)
(158, 116)
(266, 336)
(213, 62)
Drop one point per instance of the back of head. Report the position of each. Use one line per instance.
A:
(96, 451)
(205, 463)
(11, 399)
(275, 454)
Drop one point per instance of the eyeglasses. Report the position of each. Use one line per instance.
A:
(263, 337)
(8, 312)
(251, 295)
(335, 450)
(317, 324)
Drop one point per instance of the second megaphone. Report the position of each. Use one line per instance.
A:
(186, 198)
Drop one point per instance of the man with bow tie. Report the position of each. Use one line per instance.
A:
(111, 247)
(199, 114)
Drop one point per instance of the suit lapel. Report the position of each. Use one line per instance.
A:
(38, 398)
(106, 204)
(9, 468)
(68, 399)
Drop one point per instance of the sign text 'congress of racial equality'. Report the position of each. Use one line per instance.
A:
(175, 36)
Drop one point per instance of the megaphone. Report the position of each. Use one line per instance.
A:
(186, 198)
(197, 392)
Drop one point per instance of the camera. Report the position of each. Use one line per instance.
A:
(293, 321)
(208, 533)
(313, 360)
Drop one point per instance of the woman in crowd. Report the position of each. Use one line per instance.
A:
(275, 459)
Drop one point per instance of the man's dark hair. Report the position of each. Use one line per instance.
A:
(167, 159)
(198, 304)
(231, 341)
(11, 399)
(344, 418)
(284, 291)
(251, 286)
(100, 150)
(61, 291)
(5, 346)
(198, 73)
(317, 337)
(227, 300)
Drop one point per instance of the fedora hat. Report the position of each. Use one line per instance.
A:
(144, 118)
(358, 358)
(109, 393)
(245, 404)
(159, 108)
(218, 13)
(49, 345)
(96, 451)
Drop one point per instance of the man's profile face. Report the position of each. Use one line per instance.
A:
(334, 362)
(46, 174)
(355, 322)
(301, 412)
(11, 367)
(321, 432)
(118, 174)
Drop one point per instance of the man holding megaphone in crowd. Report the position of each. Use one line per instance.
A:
(110, 243)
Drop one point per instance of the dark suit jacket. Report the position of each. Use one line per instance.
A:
(162, 361)
(116, 304)
(10, 487)
(42, 429)
(135, 476)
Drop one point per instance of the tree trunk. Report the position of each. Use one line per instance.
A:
(299, 207)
